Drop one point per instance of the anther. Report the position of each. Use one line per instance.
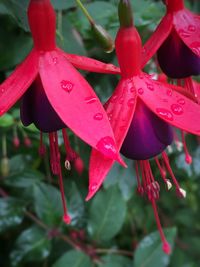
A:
(181, 192)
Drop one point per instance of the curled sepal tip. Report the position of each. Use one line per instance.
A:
(103, 38)
(125, 13)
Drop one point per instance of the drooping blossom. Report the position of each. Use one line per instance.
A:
(176, 41)
(141, 112)
(54, 95)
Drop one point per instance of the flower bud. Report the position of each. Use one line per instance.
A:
(125, 13)
(103, 37)
(79, 165)
(4, 166)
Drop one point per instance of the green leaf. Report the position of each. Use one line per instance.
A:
(47, 201)
(70, 40)
(11, 213)
(6, 120)
(17, 9)
(75, 203)
(115, 261)
(24, 179)
(149, 251)
(31, 245)
(18, 163)
(124, 178)
(63, 4)
(107, 214)
(73, 258)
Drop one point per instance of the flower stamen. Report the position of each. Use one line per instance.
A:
(56, 169)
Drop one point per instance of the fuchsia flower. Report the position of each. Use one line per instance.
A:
(54, 95)
(176, 41)
(141, 111)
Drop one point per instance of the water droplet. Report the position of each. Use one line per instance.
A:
(140, 91)
(93, 187)
(166, 114)
(98, 116)
(169, 92)
(192, 28)
(184, 33)
(143, 50)
(150, 86)
(67, 86)
(90, 99)
(130, 80)
(121, 100)
(110, 115)
(106, 145)
(195, 46)
(177, 109)
(181, 101)
(141, 76)
(131, 102)
(113, 99)
(55, 60)
(2, 111)
(2, 90)
(132, 89)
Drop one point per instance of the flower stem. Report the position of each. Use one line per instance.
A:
(80, 4)
(4, 146)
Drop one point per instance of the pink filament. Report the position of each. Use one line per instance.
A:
(56, 169)
(166, 247)
(188, 158)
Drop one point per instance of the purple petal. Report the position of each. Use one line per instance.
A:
(176, 59)
(147, 136)
(36, 108)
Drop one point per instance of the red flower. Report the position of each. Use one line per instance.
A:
(141, 111)
(176, 41)
(54, 95)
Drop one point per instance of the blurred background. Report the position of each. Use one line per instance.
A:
(116, 228)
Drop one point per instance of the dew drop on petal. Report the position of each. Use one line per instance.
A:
(181, 101)
(191, 28)
(143, 50)
(106, 145)
(130, 80)
(121, 100)
(141, 91)
(184, 33)
(93, 187)
(113, 99)
(98, 116)
(67, 86)
(177, 109)
(195, 46)
(131, 102)
(166, 114)
(55, 60)
(90, 99)
(169, 92)
(2, 90)
(150, 86)
(2, 110)
(132, 89)
(110, 115)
